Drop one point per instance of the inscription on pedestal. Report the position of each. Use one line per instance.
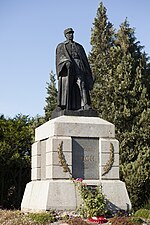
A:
(85, 158)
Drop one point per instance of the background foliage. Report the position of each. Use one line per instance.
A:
(51, 99)
(15, 148)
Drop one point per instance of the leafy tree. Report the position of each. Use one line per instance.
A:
(122, 96)
(51, 99)
(15, 151)
(36, 122)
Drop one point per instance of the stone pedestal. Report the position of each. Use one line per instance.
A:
(91, 152)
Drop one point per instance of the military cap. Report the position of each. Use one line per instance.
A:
(68, 30)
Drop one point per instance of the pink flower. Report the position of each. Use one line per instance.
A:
(79, 179)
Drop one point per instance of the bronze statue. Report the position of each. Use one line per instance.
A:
(75, 78)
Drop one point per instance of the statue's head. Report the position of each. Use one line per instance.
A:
(69, 33)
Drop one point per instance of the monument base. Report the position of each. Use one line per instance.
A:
(46, 195)
(91, 152)
(117, 195)
(63, 195)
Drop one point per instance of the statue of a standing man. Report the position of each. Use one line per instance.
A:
(74, 74)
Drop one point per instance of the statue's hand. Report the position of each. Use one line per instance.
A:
(68, 64)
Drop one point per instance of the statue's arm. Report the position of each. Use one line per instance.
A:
(89, 80)
(61, 58)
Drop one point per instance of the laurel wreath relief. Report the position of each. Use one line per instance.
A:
(62, 160)
(64, 165)
(110, 161)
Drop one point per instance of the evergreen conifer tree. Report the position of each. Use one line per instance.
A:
(130, 115)
(121, 96)
(51, 99)
(102, 40)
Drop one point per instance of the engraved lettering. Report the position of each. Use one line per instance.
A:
(88, 158)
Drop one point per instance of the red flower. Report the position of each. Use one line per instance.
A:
(97, 219)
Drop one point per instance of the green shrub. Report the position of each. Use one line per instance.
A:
(93, 200)
(147, 205)
(42, 218)
(143, 213)
(137, 220)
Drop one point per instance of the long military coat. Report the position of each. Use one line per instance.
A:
(68, 91)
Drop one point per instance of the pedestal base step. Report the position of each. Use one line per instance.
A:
(62, 195)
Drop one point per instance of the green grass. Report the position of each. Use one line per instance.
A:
(17, 217)
(42, 218)
(136, 220)
(143, 213)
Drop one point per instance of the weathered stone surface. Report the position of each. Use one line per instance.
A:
(109, 157)
(117, 195)
(36, 148)
(46, 195)
(52, 158)
(105, 145)
(36, 161)
(75, 126)
(113, 174)
(36, 174)
(43, 159)
(56, 172)
(62, 195)
(53, 143)
(105, 158)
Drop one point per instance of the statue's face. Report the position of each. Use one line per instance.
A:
(69, 36)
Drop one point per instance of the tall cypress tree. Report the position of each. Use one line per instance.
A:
(102, 40)
(51, 99)
(121, 96)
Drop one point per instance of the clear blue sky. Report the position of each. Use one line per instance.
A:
(29, 33)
